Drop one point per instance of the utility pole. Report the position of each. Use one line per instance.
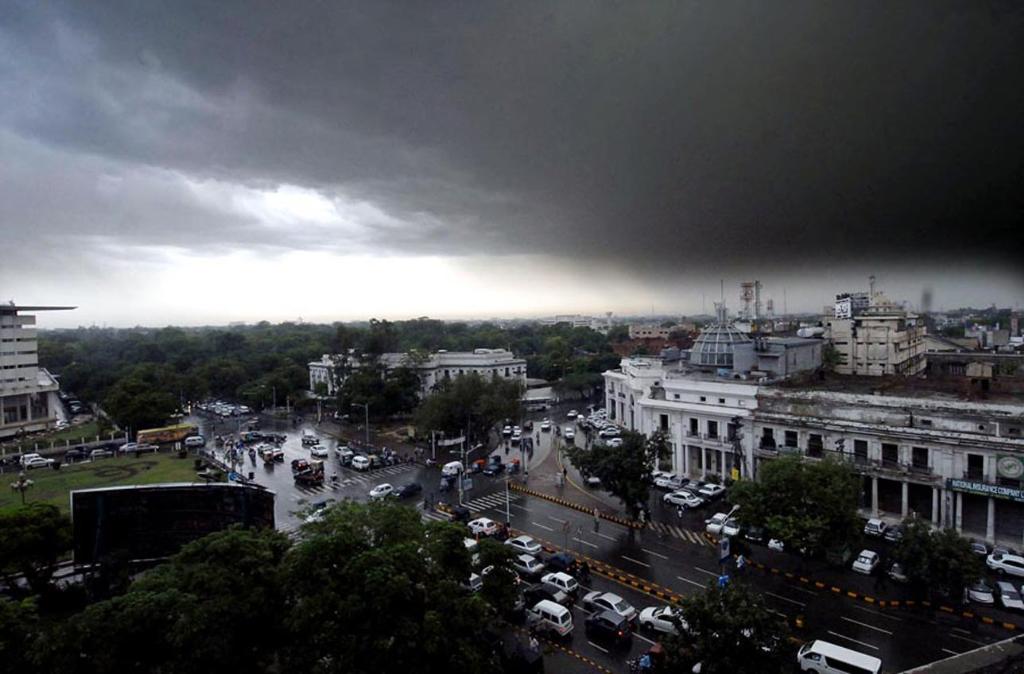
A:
(366, 419)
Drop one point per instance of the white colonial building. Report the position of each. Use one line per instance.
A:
(28, 393)
(432, 368)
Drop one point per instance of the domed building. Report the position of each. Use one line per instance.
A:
(714, 347)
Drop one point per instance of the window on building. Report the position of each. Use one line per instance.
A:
(721, 401)
(815, 445)
(506, 371)
(675, 396)
(703, 399)
(919, 458)
(926, 422)
(792, 439)
(890, 454)
(860, 451)
(975, 467)
(694, 427)
(663, 422)
(1014, 430)
(768, 438)
(712, 429)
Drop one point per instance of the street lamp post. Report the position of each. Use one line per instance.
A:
(366, 411)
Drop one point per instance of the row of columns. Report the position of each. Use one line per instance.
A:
(940, 508)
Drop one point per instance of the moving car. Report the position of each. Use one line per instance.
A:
(875, 527)
(608, 601)
(407, 490)
(569, 433)
(528, 566)
(823, 657)
(776, 545)
(981, 593)
(451, 469)
(572, 414)
(483, 526)
(711, 491)
(1008, 595)
(319, 451)
(537, 592)
(548, 617)
(661, 619)
(754, 533)
(75, 454)
(561, 581)
(866, 562)
(360, 462)
(562, 561)
(524, 544)
(715, 523)
(381, 491)
(731, 527)
(609, 627)
(37, 462)
(683, 499)
(897, 573)
(100, 453)
(1004, 562)
(545, 425)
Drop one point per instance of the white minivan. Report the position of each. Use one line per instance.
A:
(547, 616)
(451, 469)
(825, 658)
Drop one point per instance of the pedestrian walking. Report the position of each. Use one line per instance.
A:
(597, 519)
(565, 472)
(534, 644)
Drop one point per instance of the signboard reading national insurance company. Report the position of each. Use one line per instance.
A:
(985, 489)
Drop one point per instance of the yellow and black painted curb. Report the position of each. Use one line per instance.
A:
(568, 651)
(515, 486)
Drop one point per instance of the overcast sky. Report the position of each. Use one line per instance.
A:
(208, 162)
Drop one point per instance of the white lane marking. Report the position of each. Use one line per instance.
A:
(870, 627)
(804, 590)
(518, 506)
(606, 536)
(791, 601)
(946, 650)
(656, 554)
(710, 573)
(580, 540)
(878, 613)
(557, 520)
(603, 650)
(542, 526)
(640, 636)
(691, 582)
(636, 561)
(957, 636)
(843, 636)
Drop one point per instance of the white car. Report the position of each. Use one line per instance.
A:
(715, 523)
(569, 433)
(609, 432)
(561, 581)
(572, 414)
(1009, 597)
(731, 527)
(507, 431)
(360, 462)
(483, 526)
(580, 419)
(319, 451)
(711, 490)
(776, 545)
(607, 601)
(1002, 563)
(683, 499)
(528, 565)
(381, 491)
(866, 562)
(524, 544)
(667, 481)
(660, 619)
(615, 442)
(37, 462)
(545, 425)
(980, 593)
(875, 527)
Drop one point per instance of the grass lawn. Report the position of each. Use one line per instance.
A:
(53, 486)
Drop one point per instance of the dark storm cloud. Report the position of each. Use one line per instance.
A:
(662, 136)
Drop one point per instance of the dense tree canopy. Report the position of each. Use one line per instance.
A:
(470, 403)
(32, 540)
(939, 561)
(810, 505)
(625, 471)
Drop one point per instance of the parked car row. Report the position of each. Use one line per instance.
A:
(222, 409)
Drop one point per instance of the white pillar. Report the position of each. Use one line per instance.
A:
(904, 497)
(990, 525)
(935, 506)
(874, 497)
(959, 511)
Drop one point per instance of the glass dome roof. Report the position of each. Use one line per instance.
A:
(713, 348)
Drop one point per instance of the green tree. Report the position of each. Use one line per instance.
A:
(469, 402)
(18, 631)
(810, 505)
(32, 540)
(371, 592)
(729, 631)
(625, 471)
(939, 561)
(143, 399)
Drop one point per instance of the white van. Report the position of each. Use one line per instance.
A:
(360, 462)
(474, 550)
(825, 658)
(451, 469)
(547, 616)
(195, 441)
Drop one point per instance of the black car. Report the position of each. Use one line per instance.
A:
(754, 533)
(76, 454)
(494, 467)
(562, 561)
(461, 514)
(610, 627)
(894, 534)
(537, 592)
(407, 490)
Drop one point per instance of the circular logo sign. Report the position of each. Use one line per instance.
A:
(1010, 466)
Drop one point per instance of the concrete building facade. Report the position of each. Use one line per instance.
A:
(881, 340)
(432, 368)
(28, 393)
